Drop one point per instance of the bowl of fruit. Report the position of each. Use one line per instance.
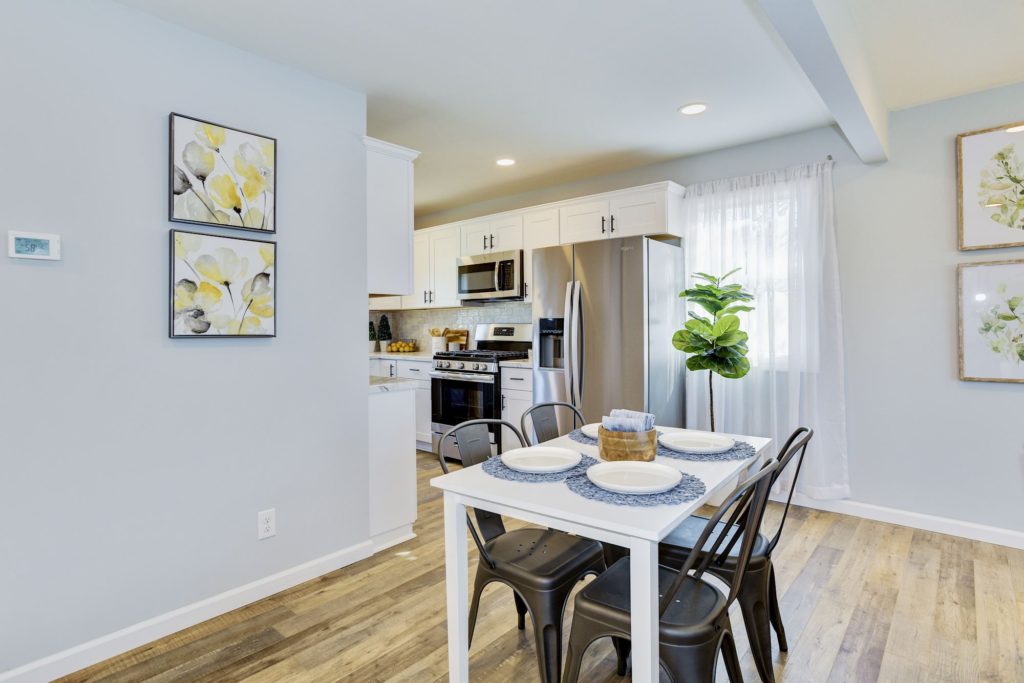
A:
(403, 346)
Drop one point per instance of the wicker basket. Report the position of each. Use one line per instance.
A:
(627, 445)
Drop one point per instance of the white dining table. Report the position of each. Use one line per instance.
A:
(553, 505)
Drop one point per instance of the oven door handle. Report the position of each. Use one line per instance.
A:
(463, 377)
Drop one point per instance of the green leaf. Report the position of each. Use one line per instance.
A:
(731, 272)
(1007, 316)
(731, 338)
(1015, 302)
(704, 320)
(725, 324)
(710, 278)
(738, 308)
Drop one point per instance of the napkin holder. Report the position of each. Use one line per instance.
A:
(613, 446)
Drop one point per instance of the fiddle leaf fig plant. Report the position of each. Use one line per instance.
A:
(715, 341)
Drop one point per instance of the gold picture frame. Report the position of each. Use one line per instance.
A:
(990, 348)
(976, 152)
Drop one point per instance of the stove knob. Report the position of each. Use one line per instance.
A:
(447, 363)
(479, 366)
(461, 366)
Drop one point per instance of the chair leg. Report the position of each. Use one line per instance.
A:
(547, 609)
(753, 600)
(774, 613)
(622, 647)
(582, 633)
(732, 660)
(520, 610)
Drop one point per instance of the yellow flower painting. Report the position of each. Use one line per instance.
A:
(222, 286)
(222, 176)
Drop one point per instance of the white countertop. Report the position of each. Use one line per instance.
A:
(525, 363)
(411, 355)
(382, 385)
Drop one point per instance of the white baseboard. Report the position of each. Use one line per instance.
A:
(917, 520)
(112, 644)
(394, 537)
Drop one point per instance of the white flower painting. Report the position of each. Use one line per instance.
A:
(222, 176)
(992, 321)
(222, 286)
(990, 173)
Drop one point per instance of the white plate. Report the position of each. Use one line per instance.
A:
(634, 477)
(696, 442)
(591, 429)
(541, 459)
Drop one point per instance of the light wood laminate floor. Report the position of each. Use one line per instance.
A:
(861, 600)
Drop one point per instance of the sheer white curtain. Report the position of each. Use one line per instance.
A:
(779, 227)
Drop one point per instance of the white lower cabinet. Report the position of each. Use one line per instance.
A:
(513, 405)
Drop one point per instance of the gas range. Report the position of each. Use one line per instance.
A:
(466, 385)
(475, 361)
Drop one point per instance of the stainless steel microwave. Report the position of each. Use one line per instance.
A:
(491, 277)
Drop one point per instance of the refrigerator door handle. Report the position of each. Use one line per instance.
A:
(574, 348)
(581, 337)
(567, 374)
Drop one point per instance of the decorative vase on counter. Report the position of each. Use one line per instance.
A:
(373, 346)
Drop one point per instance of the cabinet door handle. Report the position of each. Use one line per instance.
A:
(431, 297)
(391, 370)
(485, 241)
(492, 241)
(424, 296)
(517, 379)
(602, 225)
(613, 223)
(503, 401)
(526, 288)
(414, 369)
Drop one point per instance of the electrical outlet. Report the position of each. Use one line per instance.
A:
(266, 524)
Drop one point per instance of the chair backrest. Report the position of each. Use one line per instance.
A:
(794, 449)
(544, 417)
(473, 440)
(746, 508)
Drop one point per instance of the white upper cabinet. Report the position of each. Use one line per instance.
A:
(389, 217)
(507, 233)
(420, 272)
(637, 213)
(445, 248)
(583, 221)
(501, 233)
(540, 229)
(648, 210)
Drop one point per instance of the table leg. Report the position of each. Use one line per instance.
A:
(643, 597)
(457, 580)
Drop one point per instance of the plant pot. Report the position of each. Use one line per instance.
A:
(373, 346)
(612, 446)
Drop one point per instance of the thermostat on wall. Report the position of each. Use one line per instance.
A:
(33, 245)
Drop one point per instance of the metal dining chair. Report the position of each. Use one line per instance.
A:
(541, 566)
(544, 418)
(693, 622)
(757, 598)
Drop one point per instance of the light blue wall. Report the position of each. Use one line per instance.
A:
(919, 438)
(132, 466)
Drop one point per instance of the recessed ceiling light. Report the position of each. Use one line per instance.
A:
(980, 297)
(693, 109)
(506, 162)
(1015, 129)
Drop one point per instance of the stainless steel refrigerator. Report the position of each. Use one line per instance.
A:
(603, 317)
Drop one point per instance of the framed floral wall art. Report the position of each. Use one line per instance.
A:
(990, 186)
(992, 321)
(222, 286)
(222, 176)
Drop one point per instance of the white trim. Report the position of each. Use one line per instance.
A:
(390, 148)
(917, 520)
(386, 539)
(112, 644)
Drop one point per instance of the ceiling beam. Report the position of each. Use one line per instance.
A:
(820, 35)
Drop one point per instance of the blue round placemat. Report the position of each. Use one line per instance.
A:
(578, 436)
(689, 488)
(741, 451)
(496, 468)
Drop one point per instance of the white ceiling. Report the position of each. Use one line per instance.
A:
(926, 50)
(569, 88)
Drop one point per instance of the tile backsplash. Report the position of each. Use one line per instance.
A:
(413, 324)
